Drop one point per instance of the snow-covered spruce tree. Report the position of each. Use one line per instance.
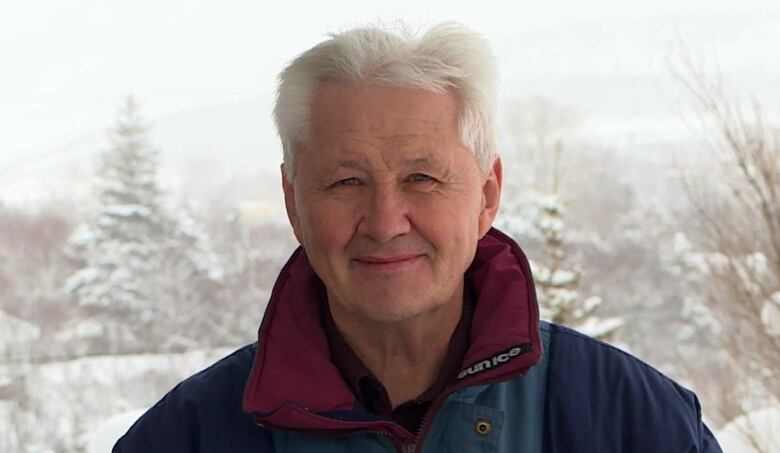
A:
(535, 135)
(541, 218)
(141, 260)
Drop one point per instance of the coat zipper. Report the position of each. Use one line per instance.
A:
(425, 426)
(439, 401)
(396, 440)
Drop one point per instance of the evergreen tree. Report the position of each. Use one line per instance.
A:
(541, 218)
(537, 135)
(558, 286)
(141, 262)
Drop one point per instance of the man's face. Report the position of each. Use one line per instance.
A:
(387, 202)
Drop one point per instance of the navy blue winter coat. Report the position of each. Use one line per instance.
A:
(525, 386)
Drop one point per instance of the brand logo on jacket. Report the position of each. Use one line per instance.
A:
(495, 361)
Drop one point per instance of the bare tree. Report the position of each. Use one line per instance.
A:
(535, 132)
(737, 226)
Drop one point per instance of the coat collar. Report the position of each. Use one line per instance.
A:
(294, 385)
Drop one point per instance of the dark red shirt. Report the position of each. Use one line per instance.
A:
(369, 390)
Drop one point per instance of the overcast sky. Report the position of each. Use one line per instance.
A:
(105, 47)
(67, 64)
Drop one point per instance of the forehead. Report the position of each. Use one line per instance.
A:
(377, 114)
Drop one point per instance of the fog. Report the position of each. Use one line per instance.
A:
(592, 96)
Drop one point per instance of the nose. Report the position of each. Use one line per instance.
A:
(385, 214)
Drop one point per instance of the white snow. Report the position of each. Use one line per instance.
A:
(14, 331)
(591, 303)
(87, 328)
(103, 438)
(563, 277)
(86, 276)
(770, 315)
(761, 427)
(600, 327)
(591, 64)
(92, 399)
(129, 210)
(685, 257)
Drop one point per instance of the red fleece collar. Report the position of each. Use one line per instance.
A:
(294, 385)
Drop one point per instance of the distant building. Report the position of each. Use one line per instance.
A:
(258, 211)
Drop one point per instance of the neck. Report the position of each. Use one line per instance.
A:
(406, 356)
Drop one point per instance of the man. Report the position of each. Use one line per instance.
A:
(404, 322)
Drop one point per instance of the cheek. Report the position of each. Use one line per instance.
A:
(460, 218)
(453, 230)
(325, 227)
(461, 225)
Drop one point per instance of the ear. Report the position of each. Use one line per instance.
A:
(290, 205)
(491, 197)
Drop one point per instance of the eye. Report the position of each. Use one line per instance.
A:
(348, 182)
(420, 177)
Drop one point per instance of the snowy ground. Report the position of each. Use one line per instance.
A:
(758, 431)
(103, 438)
(85, 404)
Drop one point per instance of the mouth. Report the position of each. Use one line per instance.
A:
(393, 262)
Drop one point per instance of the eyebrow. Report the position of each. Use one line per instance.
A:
(355, 163)
(418, 161)
(348, 163)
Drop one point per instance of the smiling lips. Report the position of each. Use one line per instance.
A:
(388, 262)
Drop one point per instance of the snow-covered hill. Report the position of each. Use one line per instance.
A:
(67, 403)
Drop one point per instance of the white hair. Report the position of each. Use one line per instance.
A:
(446, 56)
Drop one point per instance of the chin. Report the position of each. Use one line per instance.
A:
(397, 310)
(391, 318)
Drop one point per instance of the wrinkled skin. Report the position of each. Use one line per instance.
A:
(387, 201)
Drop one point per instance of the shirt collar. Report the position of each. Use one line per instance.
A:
(367, 388)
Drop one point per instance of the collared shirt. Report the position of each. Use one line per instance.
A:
(369, 390)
